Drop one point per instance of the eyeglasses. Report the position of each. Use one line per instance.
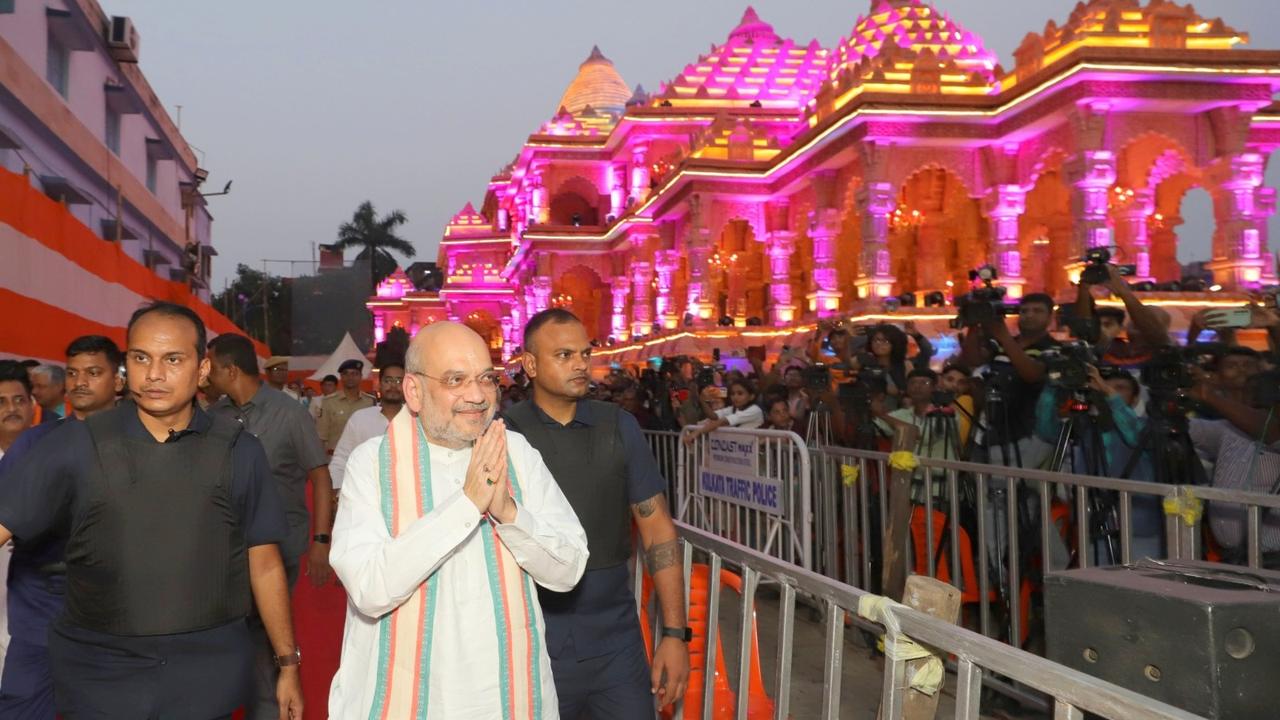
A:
(392, 381)
(457, 383)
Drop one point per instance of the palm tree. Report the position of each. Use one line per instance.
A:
(376, 236)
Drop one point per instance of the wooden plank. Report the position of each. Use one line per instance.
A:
(897, 526)
(937, 599)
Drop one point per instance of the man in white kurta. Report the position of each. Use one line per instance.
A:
(441, 623)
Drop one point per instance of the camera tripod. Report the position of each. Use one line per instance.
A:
(1167, 441)
(1081, 438)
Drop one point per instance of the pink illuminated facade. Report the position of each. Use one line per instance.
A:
(784, 181)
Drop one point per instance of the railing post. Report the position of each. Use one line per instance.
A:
(832, 663)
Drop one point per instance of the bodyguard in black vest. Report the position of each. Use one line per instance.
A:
(173, 523)
(599, 458)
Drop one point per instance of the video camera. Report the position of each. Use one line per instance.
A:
(980, 305)
(1095, 267)
(1067, 366)
(872, 380)
(817, 377)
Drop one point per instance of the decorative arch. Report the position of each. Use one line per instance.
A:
(938, 232)
(1159, 170)
(581, 291)
(575, 197)
(486, 326)
(1045, 228)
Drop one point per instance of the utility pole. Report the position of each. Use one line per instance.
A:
(266, 296)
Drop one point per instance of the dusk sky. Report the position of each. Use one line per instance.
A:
(312, 107)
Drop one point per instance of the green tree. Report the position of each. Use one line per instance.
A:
(243, 302)
(376, 237)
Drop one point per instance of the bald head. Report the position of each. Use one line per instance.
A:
(444, 345)
(452, 384)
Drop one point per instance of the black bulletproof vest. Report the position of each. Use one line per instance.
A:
(590, 466)
(160, 549)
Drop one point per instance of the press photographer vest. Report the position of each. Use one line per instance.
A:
(160, 549)
(589, 464)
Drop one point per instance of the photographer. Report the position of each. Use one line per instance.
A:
(933, 416)
(1119, 428)
(1245, 448)
(1149, 326)
(1022, 374)
(956, 379)
(888, 345)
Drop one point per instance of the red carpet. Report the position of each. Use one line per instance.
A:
(318, 615)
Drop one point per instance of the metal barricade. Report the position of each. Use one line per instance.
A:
(997, 499)
(665, 445)
(784, 529)
(1245, 524)
(979, 659)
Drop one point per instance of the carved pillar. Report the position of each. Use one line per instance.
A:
(619, 289)
(539, 201)
(1133, 236)
(508, 338)
(617, 189)
(1005, 205)
(541, 293)
(875, 205)
(1240, 257)
(641, 298)
(781, 246)
(701, 303)
(824, 226)
(1091, 175)
(640, 172)
(668, 262)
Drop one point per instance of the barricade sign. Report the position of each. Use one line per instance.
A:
(751, 491)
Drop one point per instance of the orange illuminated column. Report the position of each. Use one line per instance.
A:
(875, 204)
(668, 264)
(1006, 203)
(641, 298)
(781, 246)
(619, 289)
(1241, 259)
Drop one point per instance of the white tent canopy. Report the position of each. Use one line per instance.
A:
(346, 350)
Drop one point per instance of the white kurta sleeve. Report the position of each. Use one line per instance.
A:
(380, 572)
(342, 452)
(546, 538)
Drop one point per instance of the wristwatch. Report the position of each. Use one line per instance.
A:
(684, 634)
(293, 658)
(321, 538)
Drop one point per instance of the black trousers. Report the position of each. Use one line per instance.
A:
(193, 676)
(610, 687)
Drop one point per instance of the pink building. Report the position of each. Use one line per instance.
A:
(776, 181)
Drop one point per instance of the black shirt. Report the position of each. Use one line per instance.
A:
(48, 487)
(602, 609)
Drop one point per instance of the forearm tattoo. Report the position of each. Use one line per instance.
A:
(646, 508)
(662, 556)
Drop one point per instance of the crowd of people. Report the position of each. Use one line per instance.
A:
(1094, 388)
(156, 497)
